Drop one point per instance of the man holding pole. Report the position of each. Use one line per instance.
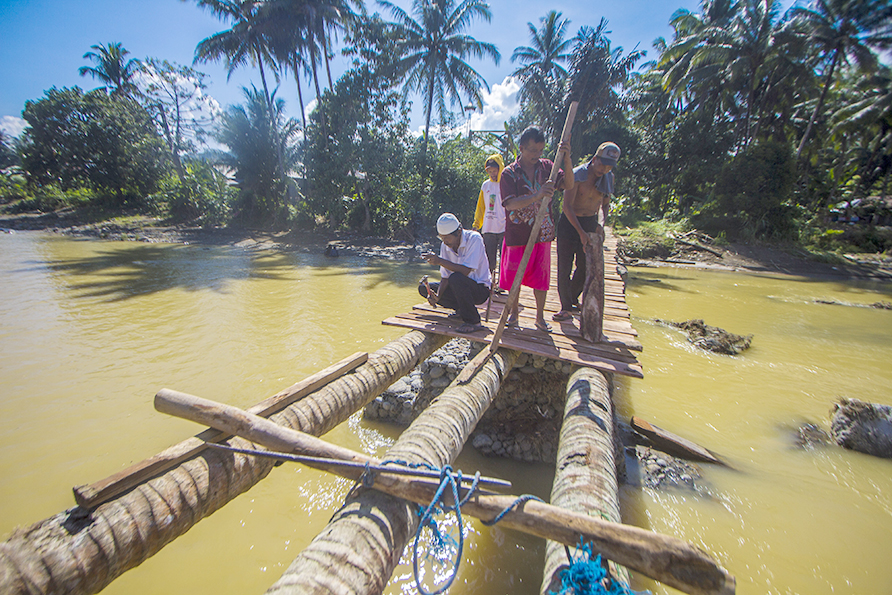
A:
(582, 207)
(524, 186)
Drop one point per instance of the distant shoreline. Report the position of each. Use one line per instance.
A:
(750, 258)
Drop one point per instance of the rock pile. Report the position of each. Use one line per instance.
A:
(712, 338)
(861, 426)
(521, 424)
(648, 467)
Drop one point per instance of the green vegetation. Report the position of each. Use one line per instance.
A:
(747, 124)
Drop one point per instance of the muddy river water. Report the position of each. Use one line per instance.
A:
(90, 331)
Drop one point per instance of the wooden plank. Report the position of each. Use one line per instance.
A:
(561, 331)
(674, 445)
(94, 494)
(510, 340)
(617, 325)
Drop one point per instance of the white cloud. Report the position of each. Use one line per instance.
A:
(310, 108)
(499, 105)
(12, 125)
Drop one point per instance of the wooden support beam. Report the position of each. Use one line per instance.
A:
(94, 494)
(591, 320)
(674, 445)
(661, 557)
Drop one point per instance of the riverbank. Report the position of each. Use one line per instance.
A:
(759, 258)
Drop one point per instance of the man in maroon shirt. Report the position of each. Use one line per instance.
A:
(524, 186)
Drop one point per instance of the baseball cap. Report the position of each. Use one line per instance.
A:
(447, 224)
(608, 153)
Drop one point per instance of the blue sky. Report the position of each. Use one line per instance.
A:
(42, 43)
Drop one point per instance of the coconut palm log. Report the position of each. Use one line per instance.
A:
(585, 474)
(82, 551)
(359, 549)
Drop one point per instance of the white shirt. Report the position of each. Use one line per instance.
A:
(494, 212)
(471, 253)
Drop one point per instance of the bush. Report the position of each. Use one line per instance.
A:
(51, 197)
(13, 186)
(651, 239)
(203, 196)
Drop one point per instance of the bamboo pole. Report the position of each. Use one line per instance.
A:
(359, 549)
(664, 558)
(81, 551)
(474, 365)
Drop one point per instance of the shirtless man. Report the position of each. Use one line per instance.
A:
(589, 196)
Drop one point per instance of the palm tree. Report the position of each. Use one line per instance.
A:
(541, 71)
(289, 42)
(246, 41)
(690, 74)
(842, 29)
(548, 49)
(243, 43)
(260, 138)
(871, 118)
(433, 49)
(596, 77)
(327, 18)
(112, 68)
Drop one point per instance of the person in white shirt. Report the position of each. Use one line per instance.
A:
(490, 215)
(464, 273)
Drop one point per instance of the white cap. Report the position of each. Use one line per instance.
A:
(447, 223)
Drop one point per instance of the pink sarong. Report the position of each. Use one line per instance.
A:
(538, 272)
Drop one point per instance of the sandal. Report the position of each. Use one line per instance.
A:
(467, 329)
(512, 321)
(562, 316)
(543, 326)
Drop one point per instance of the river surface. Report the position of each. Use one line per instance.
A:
(90, 331)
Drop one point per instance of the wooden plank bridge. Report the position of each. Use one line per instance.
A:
(565, 341)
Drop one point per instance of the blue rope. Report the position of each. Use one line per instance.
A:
(441, 543)
(585, 576)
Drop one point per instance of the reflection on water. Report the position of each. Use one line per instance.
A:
(89, 331)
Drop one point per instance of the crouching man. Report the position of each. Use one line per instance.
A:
(464, 273)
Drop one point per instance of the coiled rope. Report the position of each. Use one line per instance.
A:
(583, 576)
(587, 576)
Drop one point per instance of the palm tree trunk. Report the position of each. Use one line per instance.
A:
(300, 95)
(315, 73)
(81, 551)
(363, 543)
(274, 126)
(587, 437)
(427, 121)
(814, 114)
(327, 61)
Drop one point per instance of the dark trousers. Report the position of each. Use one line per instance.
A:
(569, 247)
(462, 295)
(492, 242)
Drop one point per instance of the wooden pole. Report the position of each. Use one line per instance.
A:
(585, 470)
(666, 559)
(591, 319)
(94, 494)
(357, 552)
(514, 294)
